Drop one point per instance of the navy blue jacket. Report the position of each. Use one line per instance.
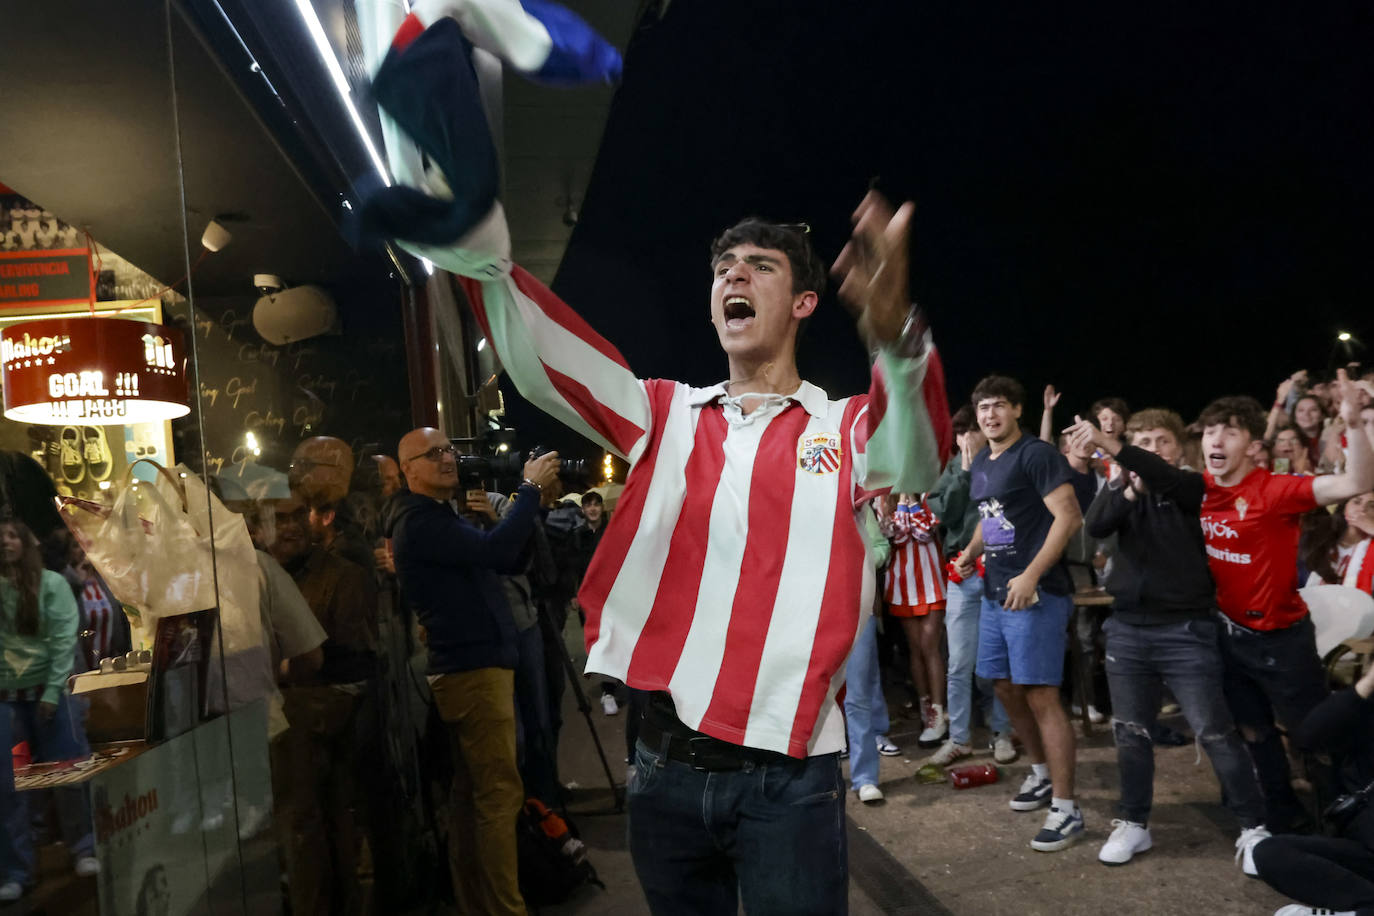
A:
(449, 571)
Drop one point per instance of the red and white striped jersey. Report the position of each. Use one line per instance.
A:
(734, 573)
(915, 574)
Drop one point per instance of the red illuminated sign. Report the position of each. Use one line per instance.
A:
(94, 370)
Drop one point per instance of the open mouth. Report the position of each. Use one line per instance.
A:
(738, 312)
(1216, 459)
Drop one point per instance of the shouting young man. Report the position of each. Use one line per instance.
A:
(1025, 494)
(1250, 522)
(734, 577)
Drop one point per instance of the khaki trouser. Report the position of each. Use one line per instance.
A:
(314, 784)
(479, 709)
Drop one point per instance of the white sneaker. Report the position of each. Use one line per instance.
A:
(1095, 717)
(87, 867)
(870, 794)
(608, 705)
(1003, 749)
(1127, 839)
(1297, 909)
(948, 753)
(11, 891)
(887, 748)
(1249, 838)
(937, 730)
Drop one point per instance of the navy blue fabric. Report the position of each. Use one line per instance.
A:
(448, 570)
(430, 89)
(1010, 492)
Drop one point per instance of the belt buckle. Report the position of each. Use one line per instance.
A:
(692, 751)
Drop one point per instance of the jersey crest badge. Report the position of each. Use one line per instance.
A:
(820, 453)
(1241, 506)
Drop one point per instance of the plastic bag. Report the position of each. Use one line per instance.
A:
(153, 548)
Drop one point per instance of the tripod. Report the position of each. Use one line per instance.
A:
(583, 706)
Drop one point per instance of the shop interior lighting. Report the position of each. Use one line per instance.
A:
(331, 63)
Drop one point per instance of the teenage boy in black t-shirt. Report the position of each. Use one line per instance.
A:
(1024, 491)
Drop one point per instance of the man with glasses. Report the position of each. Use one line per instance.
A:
(449, 571)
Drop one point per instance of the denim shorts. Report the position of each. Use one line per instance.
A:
(1026, 647)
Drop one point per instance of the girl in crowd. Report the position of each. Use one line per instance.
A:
(1291, 455)
(38, 618)
(914, 588)
(1338, 546)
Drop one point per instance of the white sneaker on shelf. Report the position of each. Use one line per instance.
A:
(1297, 909)
(1003, 748)
(887, 748)
(11, 891)
(870, 794)
(86, 867)
(937, 730)
(608, 704)
(1127, 839)
(1249, 838)
(948, 753)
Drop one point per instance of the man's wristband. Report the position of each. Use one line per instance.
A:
(532, 484)
(911, 342)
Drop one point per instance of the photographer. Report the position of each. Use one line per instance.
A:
(1335, 872)
(448, 571)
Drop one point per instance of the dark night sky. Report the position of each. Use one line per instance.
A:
(1165, 202)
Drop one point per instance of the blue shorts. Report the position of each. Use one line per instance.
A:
(1026, 647)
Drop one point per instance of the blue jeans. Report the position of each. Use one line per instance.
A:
(1183, 655)
(59, 739)
(865, 710)
(770, 836)
(962, 609)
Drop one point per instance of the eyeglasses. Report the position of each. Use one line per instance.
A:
(436, 454)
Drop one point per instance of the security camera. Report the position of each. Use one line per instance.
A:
(267, 284)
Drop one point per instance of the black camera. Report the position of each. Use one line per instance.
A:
(570, 470)
(1347, 807)
(475, 470)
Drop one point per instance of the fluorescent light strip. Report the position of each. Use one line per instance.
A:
(331, 63)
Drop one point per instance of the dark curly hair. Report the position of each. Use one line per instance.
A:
(794, 241)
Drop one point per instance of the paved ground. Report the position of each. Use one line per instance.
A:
(967, 849)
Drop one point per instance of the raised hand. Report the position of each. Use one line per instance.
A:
(1052, 397)
(1350, 393)
(872, 269)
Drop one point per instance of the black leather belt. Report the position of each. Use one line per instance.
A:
(663, 733)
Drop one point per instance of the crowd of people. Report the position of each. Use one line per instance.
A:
(1202, 543)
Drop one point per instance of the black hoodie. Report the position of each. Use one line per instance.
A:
(1159, 572)
(448, 571)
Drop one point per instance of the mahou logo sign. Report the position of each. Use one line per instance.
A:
(97, 370)
(110, 822)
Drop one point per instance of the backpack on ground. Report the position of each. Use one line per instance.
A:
(553, 860)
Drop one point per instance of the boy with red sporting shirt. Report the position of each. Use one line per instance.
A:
(1250, 523)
